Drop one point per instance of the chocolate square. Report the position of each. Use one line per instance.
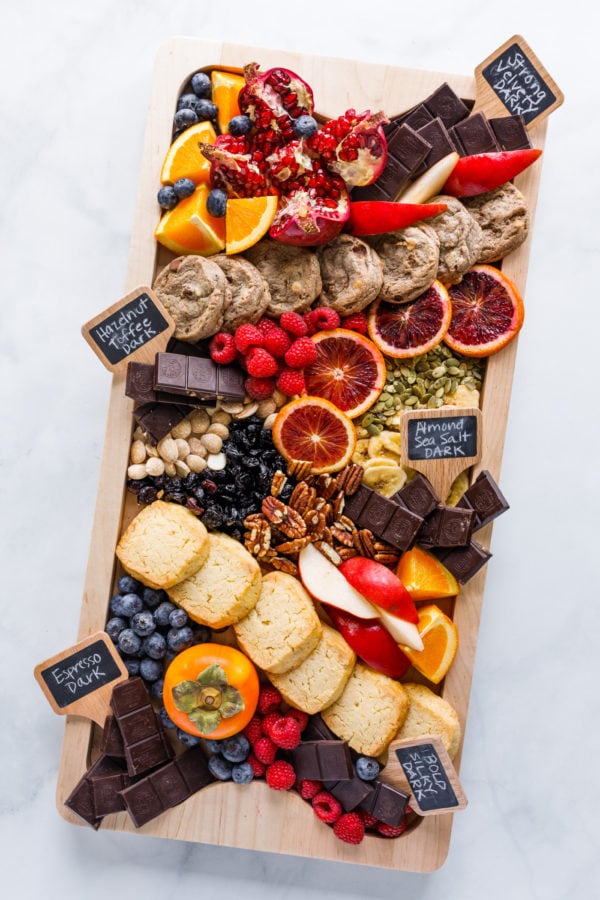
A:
(386, 803)
(511, 132)
(402, 527)
(201, 377)
(138, 725)
(142, 802)
(418, 117)
(170, 373)
(369, 192)
(447, 526)
(408, 147)
(394, 178)
(128, 696)
(105, 793)
(169, 784)
(230, 383)
(377, 513)
(352, 793)
(112, 740)
(317, 730)
(464, 562)
(306, 761)
(335, 762)
(418, 495)
(81, 802)
(139, 382)
(485, 498)
(445, 104)
(436, 133)
(157, 419)
(147, 754)
(474, 135)
(193, 767)
(354, 504)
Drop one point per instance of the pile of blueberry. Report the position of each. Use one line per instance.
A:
(195, 105)
(222, 499)
(149, 631)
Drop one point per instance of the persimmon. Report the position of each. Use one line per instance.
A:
(211, 691)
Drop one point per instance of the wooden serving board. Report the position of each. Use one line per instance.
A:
(255, 817)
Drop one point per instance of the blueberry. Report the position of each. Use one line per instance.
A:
(216, 202)
(131, 604)
(189, 740)
(132, 666)
(239, 125)
(155, 646)
(305, 126)
(183, 118)
(205, 109)
(129, 642)
(151, 669)
(153, 598)
(201, 84)
(220, 767)
(114, 627)
(178, 618)
(236, 749)
(165, 718)
(243, 773)
(367, 768)
(157, 687)
(213, 746)
(143, 623)
(128, 585)
(184, 187)
(187, 101)
(162, 613)
(116, 605)
(167, 198)
(180, 638)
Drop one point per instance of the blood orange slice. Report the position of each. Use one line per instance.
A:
(487, 312)
(314, 430)
(411, 329)
(349, 371)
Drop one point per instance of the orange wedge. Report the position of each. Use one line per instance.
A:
(247, 220)
(225, 91)
(424, 576)
(440, 643)
(313, 430)
(184, 159)
(189, 227)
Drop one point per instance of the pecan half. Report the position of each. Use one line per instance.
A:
(366, 539)
(286, 519)
(285, 565)
(302, 497)
(315, 522)
(347, 552)
(257, 540)
(326, 486)
(294, 546)
(299, 468)
(387, 558)
(278, 483)
(349, 479)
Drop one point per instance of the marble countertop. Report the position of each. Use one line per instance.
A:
(76, 82)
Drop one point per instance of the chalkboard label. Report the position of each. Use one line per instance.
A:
(427, 777)
(136, 327)
(446, 437)
(518, 84)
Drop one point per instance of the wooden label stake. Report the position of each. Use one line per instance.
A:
(423, 768)
(79, 680)
(441, 443)
(512, 81)
(135, 327)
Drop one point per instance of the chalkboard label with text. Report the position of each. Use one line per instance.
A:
(447, 437)
(424, 767)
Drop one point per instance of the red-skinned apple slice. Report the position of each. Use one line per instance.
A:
(380, 586)
(403, 632)
(326, 583)
(371, 642)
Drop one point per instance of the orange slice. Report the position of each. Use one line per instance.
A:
(314, 430)
(440, 643)
(184, 159)
(226, 87)
(404, 330)
(487, 312)
(247, 220)
(189, 227)
(349, 370)
(424, 576)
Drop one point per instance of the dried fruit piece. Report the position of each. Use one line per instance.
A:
(487, 312)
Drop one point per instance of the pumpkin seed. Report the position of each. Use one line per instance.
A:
(375, 428)
(412, 400)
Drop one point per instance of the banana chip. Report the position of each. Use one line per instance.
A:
(386, 480)
(463, 396)
(378, 462)
(459, 486)
(391, 441)
(361, 452)
(380, 446)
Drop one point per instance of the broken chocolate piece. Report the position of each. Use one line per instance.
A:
(112, 741)
(436, 134)
(322, 760)
(485, 498)
(351, 793)
(146, 745)
(464, 562)
(105, 792)
(446, 105)
(511, 132)
(386, 803)
(157, 419)
(474, 135)
(81, 799)
(418, 496)
(447, 526)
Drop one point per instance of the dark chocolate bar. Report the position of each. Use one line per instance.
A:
(446, 105)
(418, 496)
(388, 520)
(436, 134)
(447, 526)
(351, 793)
(146, 745)
(464, 562)
(196, 376)
(474, 135)
(486, 500)
(386, 803)
(322, 760)
(511, 132)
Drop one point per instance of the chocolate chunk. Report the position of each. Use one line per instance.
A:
(201, 377)
(474, 135)
(322, 760)
(146, 745)
(351, 793)
(436, 134)
(112, 741)
(445, 104)
(317, 730)
(157, 419)
(418, 117)
(142, 802)
(418, 496)
(136, 726)
(127, 696)
(447, 526)
(230, 383)
(464, 562)
(354, 505)
(485, 498)
(389, 520)
(170, 373)
(139, 383)
(402, 528)
(194, 768)
(511, 132)
(370, 192)
(81, 802)
(105, 792)
(377, 513)
(386, 803)
(406, 152)
(305, 761)
(408, 147)
(169, 785)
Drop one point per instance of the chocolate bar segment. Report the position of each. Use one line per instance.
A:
(157, 419)
(351, 793)
(485, 498)
(464, 562)
(196, 376)
(386, 803)
(402, 528)
(474, 135)
(436, 134)
(388, 520)
(418, 496)
(322, 760)
(511, 132)
(82, 800)
(447, 526)
(146, 745)
(446, 105)
(406, 151)
(112, 741)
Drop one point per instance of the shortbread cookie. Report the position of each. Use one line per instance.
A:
(460, 237)
(369, 712)
(225, 589)
(292, 273)
(283, 628)
(196, 293)
(410, 259)
(164, 544)
(351, 273)
(429, 713)
(250, 295)
(320, 679)
(504, 220)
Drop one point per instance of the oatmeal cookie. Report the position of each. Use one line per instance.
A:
(409, 259)
(351, 273)
(504, 220)
(250, 294)
(292, 273)
(460, 237)
(196, 293)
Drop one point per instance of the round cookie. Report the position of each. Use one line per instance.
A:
(429, 713)
(460, 237)
(292, 273)
(250, 295)
(409, 259)
(504, 220)
(196, 293)
(351, 273)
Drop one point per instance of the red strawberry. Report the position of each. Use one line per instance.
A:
(349, 828)
(281, 776)
(326, 807)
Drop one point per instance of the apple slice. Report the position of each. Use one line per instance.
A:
(381, 586)
(405, 633)
(323, 580)
(431, 182)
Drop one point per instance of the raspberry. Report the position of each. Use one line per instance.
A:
(268, 722)
(265, 750)
(266, 325)
(247, 336)
(253, 730)
(369, 821)
(281, 776)
(260, 363)
(301, 354)
(391, 831)
(356, 322)
(259, 388)
(326, 807)
(258, 768)
(291, 382)
(308, 788)
(285, 733)
(269, 699)
(321, 319)
(222, 348)
(349, 828)
(277, 341)
(300, 717)
(294, 323)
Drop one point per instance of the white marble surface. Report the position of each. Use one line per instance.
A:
(76, 79)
